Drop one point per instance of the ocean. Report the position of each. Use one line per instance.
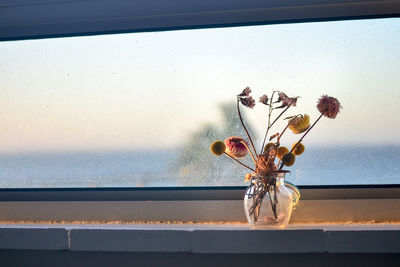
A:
(317, 166)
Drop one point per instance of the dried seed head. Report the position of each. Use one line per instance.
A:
(218, 148)
(288, 159)
(268, 147)
(282, 150)
(299, 149)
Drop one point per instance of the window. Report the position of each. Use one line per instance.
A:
(32, 167)
(116, 110)
(141, 109)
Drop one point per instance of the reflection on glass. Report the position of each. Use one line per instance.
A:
(142, 109)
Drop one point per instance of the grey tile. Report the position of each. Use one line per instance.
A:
(363, 241)
(130, 240)
(258, 241)
(33, 238)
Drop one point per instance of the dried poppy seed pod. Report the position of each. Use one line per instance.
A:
(218, 148)
(235, 147)
(288, 159)
(299, 149)
(282, 150)
(299, 124)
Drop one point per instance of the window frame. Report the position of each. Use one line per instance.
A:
(30, 19)
(21, 22)
(324, 204)
(184, 193)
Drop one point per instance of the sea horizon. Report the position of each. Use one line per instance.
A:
(339, 165)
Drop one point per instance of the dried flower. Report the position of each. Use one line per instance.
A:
(299, 149)
(248, 101)
(271, 153)
(290, 100)
(245, 98)
(268, 147)
(281, 96)
(218, 148)
(247, 177)
(286, 101)
(235, 147)
(264, 99)
(267, 169)
(299, 124)
(265, 164)
(282, 150)
(245, 93)
(328, 106)
(288, 159)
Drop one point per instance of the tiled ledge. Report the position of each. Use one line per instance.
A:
(203, 238)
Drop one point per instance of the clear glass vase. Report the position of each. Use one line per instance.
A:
(268, 201)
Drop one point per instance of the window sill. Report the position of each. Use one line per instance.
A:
(203, 238)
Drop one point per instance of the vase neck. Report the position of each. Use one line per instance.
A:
(280, 180)
(277, 178)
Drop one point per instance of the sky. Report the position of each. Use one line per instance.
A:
(152, 90)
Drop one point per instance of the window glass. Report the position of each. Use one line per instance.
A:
(142, 109)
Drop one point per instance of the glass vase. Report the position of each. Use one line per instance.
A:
(268, 201)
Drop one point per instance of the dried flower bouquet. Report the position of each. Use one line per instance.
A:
(272, 157)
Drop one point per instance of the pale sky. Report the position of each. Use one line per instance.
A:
(151, 90)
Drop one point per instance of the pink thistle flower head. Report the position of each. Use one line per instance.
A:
(235, 147)
(328, 106)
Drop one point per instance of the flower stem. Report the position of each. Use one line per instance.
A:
(282, 113)
(276, 119)
(251, 153)
(269, 121)
(301, 139)
(238, 161)
(279, 136)
(245, 129)
(273, 203)
(287, 126)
